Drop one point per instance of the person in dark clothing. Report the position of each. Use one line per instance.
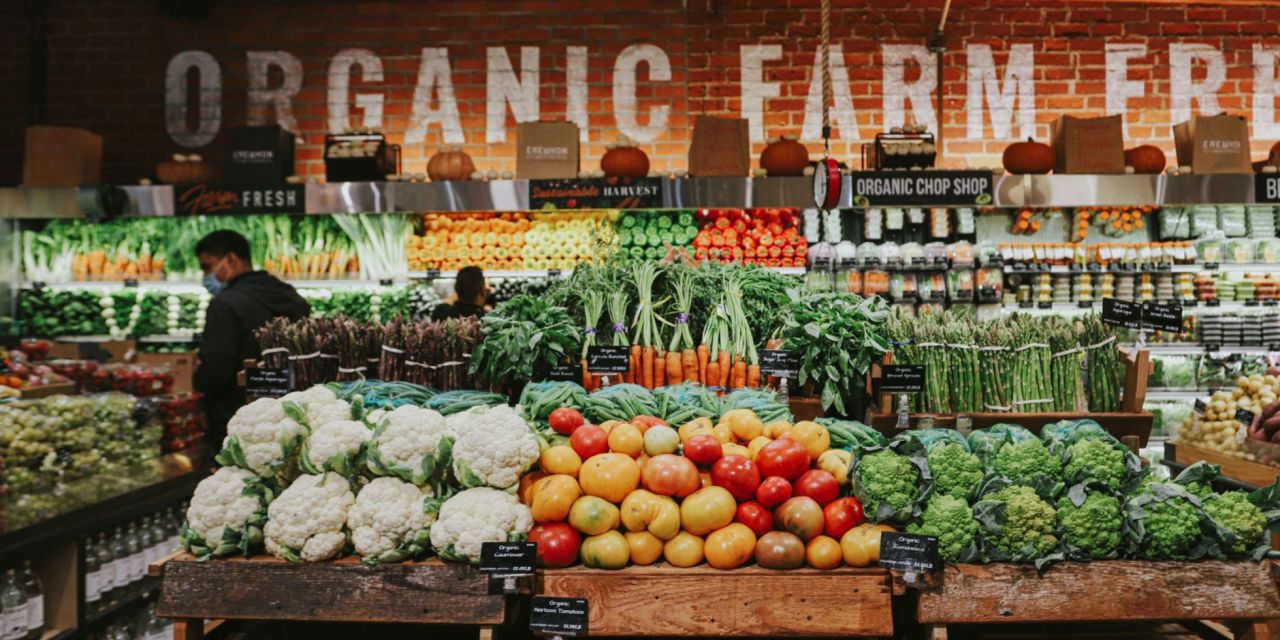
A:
(471, 292)
(243, 301)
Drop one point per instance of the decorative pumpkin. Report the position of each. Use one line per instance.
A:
(182, 169)
(1145, 159)
(1029, 157)
(1274, 157)
(784, 156)
(450, 164)
(624, 160)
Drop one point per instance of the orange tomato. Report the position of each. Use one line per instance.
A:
(685, 550)
(553, 497)
(730, 547)
(823, 552)
(561, 459)
(708, 509)
(670, 475)
(526, 485)
(610, 476)
(645, 547)
(626, 438)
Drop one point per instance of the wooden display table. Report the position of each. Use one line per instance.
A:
(1241, 593)
(668, 601)
(1254, 474)
(346, 590)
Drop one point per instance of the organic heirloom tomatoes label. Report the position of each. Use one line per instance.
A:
(1121, 313)
(909, 552)
(558, 616)
(871, 188)
(508, 558)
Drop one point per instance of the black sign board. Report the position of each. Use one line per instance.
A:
(1162, 317)
(1200, 406)
(608, 359)
(508, 558)
(872, 188)
(131, 283)
(902, 378)
(1121, 313)
(1244, 417)
(779, 362)
(596, 193)
(203, 199)
(267, 383)
(909, 552)
(571, 372)
(558, 616)
(1266, 187)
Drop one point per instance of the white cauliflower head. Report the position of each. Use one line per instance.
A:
(410, 442)
(391, 520)
(317, 406)
(335, 446)
(226, 514)
(494, 447)
(475, 516)
(306, 521)
(261, 438)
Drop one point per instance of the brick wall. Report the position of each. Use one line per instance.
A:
(108, 58)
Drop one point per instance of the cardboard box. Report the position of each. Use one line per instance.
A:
(720, 147)
(258, 156)
(546, 150)
(1214, 144)
(1088, 145)
(181, 365)
(101, 351)
(61, 157)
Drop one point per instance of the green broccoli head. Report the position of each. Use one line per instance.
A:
(955, 471)
(1234, 511)
(1021, 462)
(1029, 521)
(1171, 529)
(951, 520)
(1093, 527)
(887, 478)
(1096, 459)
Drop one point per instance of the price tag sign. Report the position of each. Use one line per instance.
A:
(571, 372)
(432, 274)
(608, 359)
(385, 282)
(909, 552)
(1200, 407)
(131, 283)
(558, 617)
(1244, 417)
(508, 558)
(1162, 317)
(1122, 314)
(264, 382)
(553, 273)
(780, 363)
(902, 378)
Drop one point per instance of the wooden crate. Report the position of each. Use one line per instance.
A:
(346, 590)
(46, 390)
(749, 601)
(1243, 593)
(1244, 471)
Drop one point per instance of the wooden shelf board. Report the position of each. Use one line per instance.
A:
(1254, 474)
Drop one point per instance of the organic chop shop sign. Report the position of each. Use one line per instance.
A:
(922, 187)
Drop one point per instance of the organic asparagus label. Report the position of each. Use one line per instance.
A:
(1121, 314)
(558, 617)
(902, 378)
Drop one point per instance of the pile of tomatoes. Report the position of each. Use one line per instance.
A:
(728, 494)
(767, 237)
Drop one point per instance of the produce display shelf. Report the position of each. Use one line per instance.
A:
(163, 338)
(1248, 473)
(1070, 308)
(662, 600)
(345, 590)
(1063, 269)
(1176, 394)
(1243, 594)
(547, 273)
(144, 589)
(194, 286)
(46, 390)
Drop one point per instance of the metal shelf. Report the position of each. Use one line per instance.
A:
(1200, 349)
(1175, 394)
(188, 286)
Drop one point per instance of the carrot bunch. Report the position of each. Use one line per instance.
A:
(727, 357)
(682, 357)
(592, 308)
(645, 350)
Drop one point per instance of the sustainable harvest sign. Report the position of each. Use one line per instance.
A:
(598, 193)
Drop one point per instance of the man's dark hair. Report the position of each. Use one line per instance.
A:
(470, 284)
(219, 243)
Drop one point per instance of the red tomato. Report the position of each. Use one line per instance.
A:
(557, 544)
(773, 492)
(565, 420)
(841, 516)
(737, 474)
(758, 518)
(819, 485)
(704, 450)
(589, 440)
(783, 457)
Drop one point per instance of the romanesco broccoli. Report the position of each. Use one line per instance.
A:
(951, 520)
(1234, 511)
(886, 483)
(1096, 459)
(955, 471)
(1028, 526)
(1094, 526)
(1170, 522)
(1022, 462)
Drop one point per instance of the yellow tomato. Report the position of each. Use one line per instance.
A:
(695, 427)
(561, 459)
(823, 552)
(608, 550)
(813, 436)
(627, 439)
(836, 462)
(757, 443)
(608, 425)
(744, 424)
(707, 509)
(722, 433)
(730, 547)
(684, 550)
(593, 516)
(861, 544)
(645, 511)
(735, 449)
(610, 476)
(526, 485)
(553, 497)
(646, 548)
(777, 429)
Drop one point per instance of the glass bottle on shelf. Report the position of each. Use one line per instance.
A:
(120, 553)
(35, 600)
(147, 540)
(137, 566)
(15, 608)
(160, 536)
(92, 575)
(107, 576)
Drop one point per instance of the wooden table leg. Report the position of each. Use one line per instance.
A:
(937, 631)
(486, 632)
(188, 629)
(1251, 630)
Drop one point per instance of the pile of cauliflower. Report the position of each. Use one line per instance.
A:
(309, 477)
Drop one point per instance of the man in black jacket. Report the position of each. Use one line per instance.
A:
(243, 301)
(470, 293)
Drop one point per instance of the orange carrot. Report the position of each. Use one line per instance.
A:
(586, 376)
(675, 371)
(689, 361)
(740, 373)
(704, 355)
(713, 371)
(753, 376)
(660, 369)
(646, 367)
(723, 379)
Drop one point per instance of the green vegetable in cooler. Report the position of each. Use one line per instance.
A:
(852, 434)
(678, 404)
(451, 402)
(620, 402)
(950, 520)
